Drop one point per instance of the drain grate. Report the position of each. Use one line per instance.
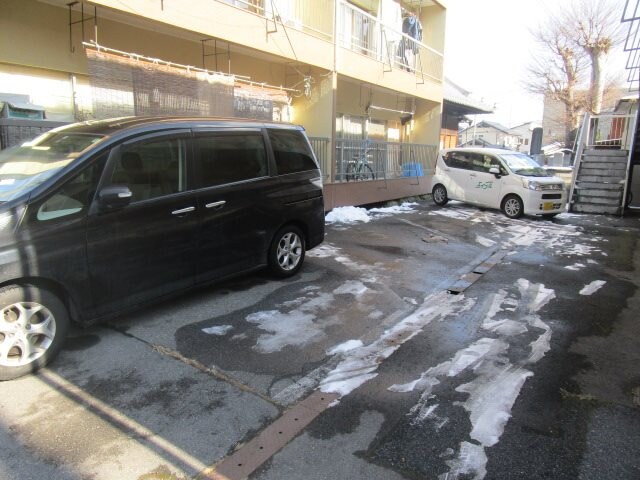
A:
(476, 273)
(246, 459)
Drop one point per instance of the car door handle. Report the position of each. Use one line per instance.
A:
(219, 204)
(182, 211)
(472, 174)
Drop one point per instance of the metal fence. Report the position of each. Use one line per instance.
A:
(362, 160)
(14, 131)
(609, 131)
(362, 33)
(321, 146)
(314, 17)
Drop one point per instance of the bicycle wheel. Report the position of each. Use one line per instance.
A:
(366, 173)
(351, 172)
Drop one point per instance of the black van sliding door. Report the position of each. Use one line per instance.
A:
(237, 204)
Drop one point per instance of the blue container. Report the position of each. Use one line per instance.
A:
(412, 170)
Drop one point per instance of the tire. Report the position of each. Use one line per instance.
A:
(366, 173)
(512, 206)
(287, 252)
(34, 318)
(439, 195)
(350, 172)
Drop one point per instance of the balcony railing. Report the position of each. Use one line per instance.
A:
(362, 33)
(356, 30)
(314, 17)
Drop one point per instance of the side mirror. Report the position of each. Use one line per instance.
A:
(114, 197)
(495, 171)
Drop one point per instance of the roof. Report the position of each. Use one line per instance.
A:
(487, 124)
(461, 98)
(113, 125)
(494, 151)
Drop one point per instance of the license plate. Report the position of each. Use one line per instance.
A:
(547, 206)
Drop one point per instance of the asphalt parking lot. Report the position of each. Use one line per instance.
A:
(444, 343)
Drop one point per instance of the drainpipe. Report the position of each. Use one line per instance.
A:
(334, 94)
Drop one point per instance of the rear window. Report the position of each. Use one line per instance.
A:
(291, 151)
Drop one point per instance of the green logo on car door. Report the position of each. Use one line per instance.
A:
(484, 185)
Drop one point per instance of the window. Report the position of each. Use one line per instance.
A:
(229, 158)
(152, 169)
(291, 151)
(74, 196)
(458, 160)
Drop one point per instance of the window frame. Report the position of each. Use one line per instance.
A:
(204, 132)
(117, 150)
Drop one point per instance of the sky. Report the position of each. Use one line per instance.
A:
(488, 46)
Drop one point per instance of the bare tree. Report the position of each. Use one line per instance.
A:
(595, 27)
(556, 73)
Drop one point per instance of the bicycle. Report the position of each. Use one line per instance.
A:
(358, 168)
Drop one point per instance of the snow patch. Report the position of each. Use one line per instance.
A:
(470, 461)
(360, 364)
(347, 215)
(218, 330)
(575, 266)
(485, 242)
(345, 347)
(592, 288)
(352, 287)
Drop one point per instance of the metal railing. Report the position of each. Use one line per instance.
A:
(609, 131)
(321, 147)
(363, 160)
(363, 33)
(357, 31)
(314, 17)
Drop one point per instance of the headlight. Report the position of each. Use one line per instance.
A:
(531, 185)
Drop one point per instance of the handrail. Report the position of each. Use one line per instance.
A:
(578, 157)
(628, 167)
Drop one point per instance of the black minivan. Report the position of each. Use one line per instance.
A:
(101, 217)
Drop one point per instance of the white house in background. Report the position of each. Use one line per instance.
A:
(524, 133)
(491, 133)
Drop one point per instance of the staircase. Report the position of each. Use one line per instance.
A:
(600, 180)
(601, 170)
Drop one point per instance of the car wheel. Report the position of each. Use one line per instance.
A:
(439, 194)
(512, 206)
(286, 253)
(33, 326)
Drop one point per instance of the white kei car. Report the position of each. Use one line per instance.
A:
(495, 178)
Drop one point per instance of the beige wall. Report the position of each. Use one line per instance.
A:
(316, 113)
(433, 20)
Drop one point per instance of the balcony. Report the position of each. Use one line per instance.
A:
(356, 31)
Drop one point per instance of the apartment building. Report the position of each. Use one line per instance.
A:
(365, 77)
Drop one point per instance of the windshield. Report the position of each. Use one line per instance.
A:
(522, 164)
(24, 167)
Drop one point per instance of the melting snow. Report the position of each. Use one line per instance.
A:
(485, 242)
(359, 365)
(352, 287)
(347, 215)
(345, 347)
(575, 266)
(498, 381)
(218, 330)
(592, 287)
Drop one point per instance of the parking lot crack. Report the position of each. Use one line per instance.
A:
(214, 372)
